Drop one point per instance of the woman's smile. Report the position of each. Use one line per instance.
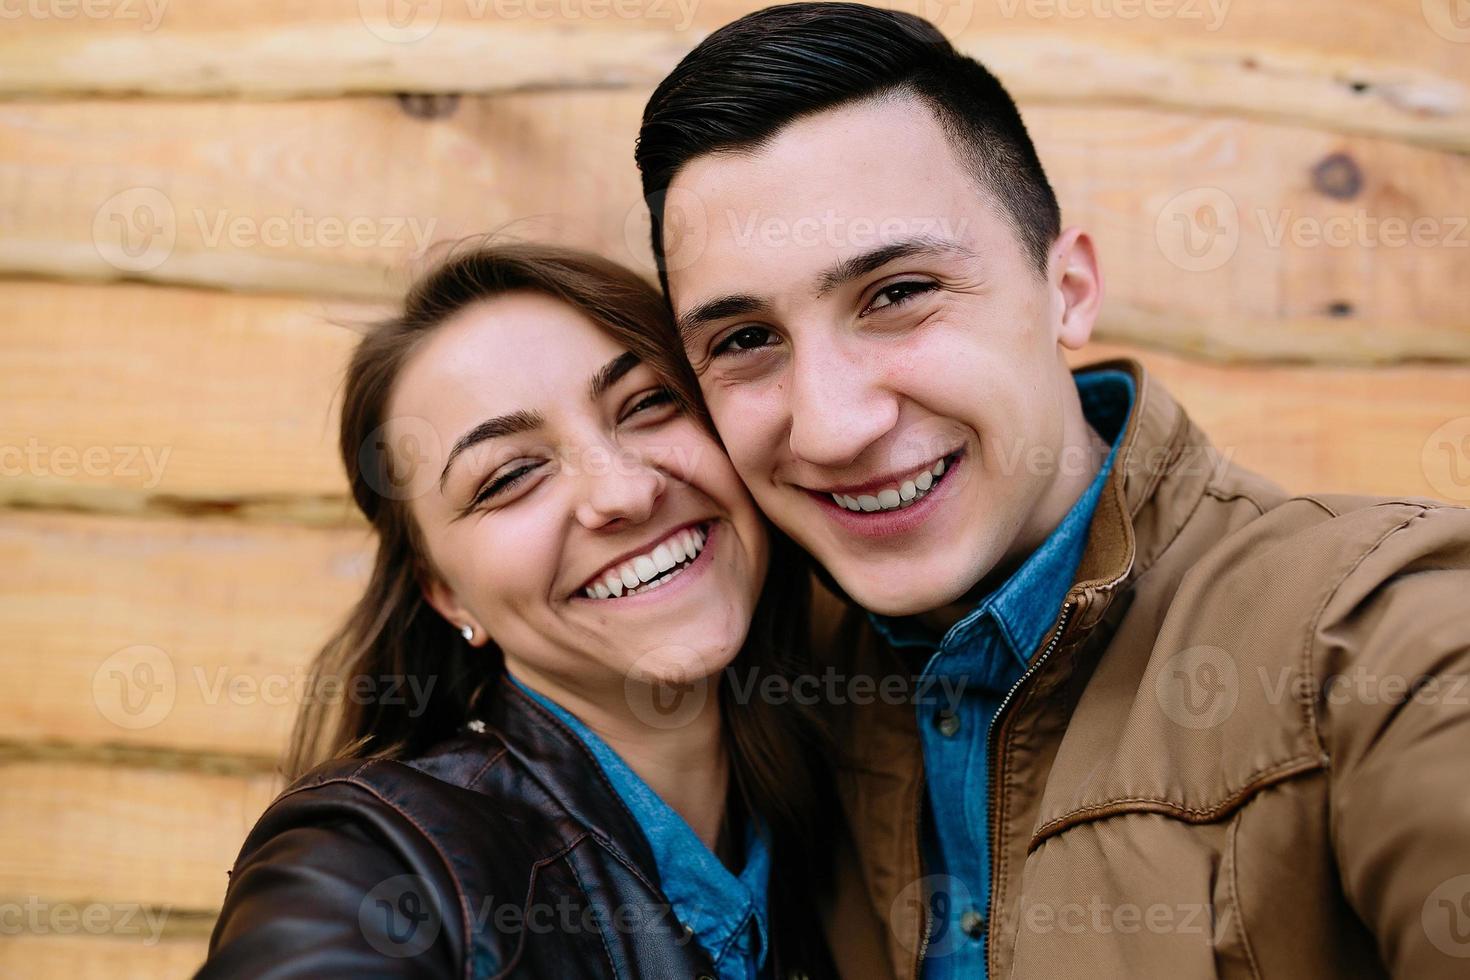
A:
(672, 564)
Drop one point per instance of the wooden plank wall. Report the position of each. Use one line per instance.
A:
(201, 200)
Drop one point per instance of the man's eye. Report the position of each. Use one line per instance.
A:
(897, 293)
(745, 339)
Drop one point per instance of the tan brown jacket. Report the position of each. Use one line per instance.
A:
(1243, 752)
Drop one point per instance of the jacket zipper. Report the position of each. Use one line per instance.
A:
(925, 924)
(993, 804)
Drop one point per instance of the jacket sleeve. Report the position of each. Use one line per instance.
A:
(1393, 656)
(334, 882)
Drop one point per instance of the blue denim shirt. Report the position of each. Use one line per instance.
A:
(983, 656)
(725, 912)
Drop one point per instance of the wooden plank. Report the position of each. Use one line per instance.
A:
(1219, 236)
(181, 634)
(86, 957)
(1383, 430)
(126, 837)
(118, 397)
(1394, 67)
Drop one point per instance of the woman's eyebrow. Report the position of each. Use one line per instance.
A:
(496, 428)
(612, 372)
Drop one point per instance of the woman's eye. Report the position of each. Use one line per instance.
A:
(504, 482)
(650, 402)
(745, 339)
(897, 293)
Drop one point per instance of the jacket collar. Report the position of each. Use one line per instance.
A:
(1161, 469)
(553, 755)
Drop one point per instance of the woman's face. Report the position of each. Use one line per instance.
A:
(573, 515)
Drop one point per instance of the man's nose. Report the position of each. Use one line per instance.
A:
(837, 410)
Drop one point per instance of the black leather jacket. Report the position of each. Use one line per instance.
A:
(502, 852)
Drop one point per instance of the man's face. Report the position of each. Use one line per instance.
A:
(879, 353)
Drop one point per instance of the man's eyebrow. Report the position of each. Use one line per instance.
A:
(611, 373)
(496, 428)
(860, 265)
(721, 308)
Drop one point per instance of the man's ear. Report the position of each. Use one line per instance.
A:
(445, 601)
(1077, 282)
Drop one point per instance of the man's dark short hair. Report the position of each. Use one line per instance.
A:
(752, 77)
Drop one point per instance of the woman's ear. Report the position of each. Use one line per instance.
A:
(445, 601)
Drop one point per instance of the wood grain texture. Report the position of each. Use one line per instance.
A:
(121, 836)
(166, 633)
(1384, 67)
(88, 957)
(1324, 430)
(121, 396)
(1219, 237)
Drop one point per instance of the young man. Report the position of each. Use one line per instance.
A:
(1203, 728)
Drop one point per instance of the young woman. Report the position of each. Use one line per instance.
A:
(553, 780)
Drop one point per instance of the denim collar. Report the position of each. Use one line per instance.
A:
(710, 900)
(1025, 606)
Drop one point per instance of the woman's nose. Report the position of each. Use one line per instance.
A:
(618, 486)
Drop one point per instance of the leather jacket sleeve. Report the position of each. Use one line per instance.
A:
(335, 882)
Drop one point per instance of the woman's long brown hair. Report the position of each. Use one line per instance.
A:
(777, 753)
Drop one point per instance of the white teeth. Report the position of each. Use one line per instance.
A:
(893, 498)
(643, 572)
(644, 568)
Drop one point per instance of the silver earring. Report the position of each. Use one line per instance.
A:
(468, 632)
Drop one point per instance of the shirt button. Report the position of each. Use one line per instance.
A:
(947, 722)
(972, 923)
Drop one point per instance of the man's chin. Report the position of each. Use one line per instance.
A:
(903, 597)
